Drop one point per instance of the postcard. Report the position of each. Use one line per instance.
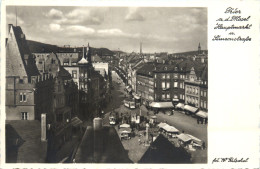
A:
(110, 84)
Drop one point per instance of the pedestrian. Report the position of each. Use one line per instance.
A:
(203, 145)
(139, 141)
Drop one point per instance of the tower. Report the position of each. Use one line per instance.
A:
(140, 48)
(199, 49)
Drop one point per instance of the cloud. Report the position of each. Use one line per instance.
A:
(134, 15)
(11, 18)
(80, 30)
(54, 14)
(84, 16)
(55, 27)
(110, 32)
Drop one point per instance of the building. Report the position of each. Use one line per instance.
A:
(145, 83)
(24, 84)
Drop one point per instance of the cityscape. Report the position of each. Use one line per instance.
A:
(137, 93)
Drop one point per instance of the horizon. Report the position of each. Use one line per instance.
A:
(159, 29)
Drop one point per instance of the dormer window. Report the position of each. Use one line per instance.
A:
(175, 68)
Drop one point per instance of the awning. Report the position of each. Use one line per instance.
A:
(137, 97)
(161, 125)
(175, 100)
(184, 137)
(75, 121)
(180, 105)
(170, 129)
(190, 108)
(125, 130)
(202, 114)
(195, 139)
(124, 126)
(161, 105)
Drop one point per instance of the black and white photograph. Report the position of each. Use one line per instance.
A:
(106, 84)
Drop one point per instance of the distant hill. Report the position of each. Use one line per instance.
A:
(38, 47)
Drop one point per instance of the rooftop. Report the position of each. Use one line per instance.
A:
(23, 142)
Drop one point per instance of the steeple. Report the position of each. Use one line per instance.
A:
(88, 53)
(83, 59)
(199, 49)
(141, 48)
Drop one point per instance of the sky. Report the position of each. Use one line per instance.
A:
(164, 29)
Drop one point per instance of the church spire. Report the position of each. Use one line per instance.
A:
(199, 49)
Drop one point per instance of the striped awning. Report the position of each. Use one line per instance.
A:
(161, 105)
(202, 114)
(180, 105)
(190, 108)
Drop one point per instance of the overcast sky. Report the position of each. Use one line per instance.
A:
(165, 29)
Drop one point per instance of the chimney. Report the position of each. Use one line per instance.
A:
(98, 139)
(43, 127)
(9, 27)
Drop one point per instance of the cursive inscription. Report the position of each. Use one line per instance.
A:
(232, 22)
(230, 160)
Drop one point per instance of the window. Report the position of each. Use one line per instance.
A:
(201, 93)
(40, 62)
(175, 76)
(66, 63)
(74, 74)
(180, 96)
(155, 76)
(197, 91)
(163, 84)
(163, 76)
(53, 61)
(154, 84)
(205, 104)
(86, 75)
(163, 96)
(193, 90)
(183, 97)
(86, 86)
(82, 74)
(180, 85)
(205, 93)
(175, 84)
(74, 63)
(175, 96)
(168, 85)
(20, 80)
(168, 95)
(24, 115)
(23, 97)
(201, 103)
(81, 86)
(205, 82)
(168, 76)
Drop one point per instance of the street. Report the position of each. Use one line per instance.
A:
(182, 122)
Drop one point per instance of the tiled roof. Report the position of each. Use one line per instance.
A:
(147, 69)
(107, 144)
(96, 58)
(163, 151)
(24, 51)
(30, 149)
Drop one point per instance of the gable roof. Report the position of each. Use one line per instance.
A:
(19, 60)
(163, 151)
